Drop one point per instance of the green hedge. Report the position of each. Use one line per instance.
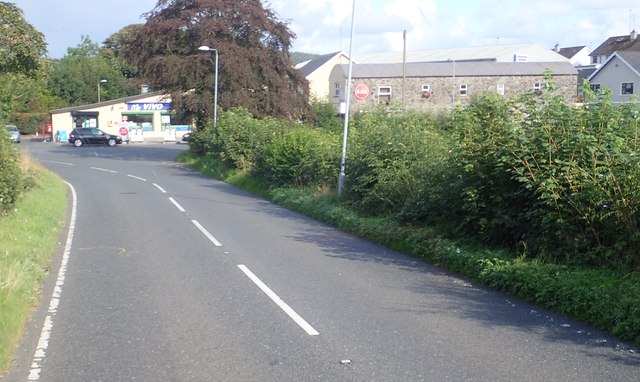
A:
(11, 184)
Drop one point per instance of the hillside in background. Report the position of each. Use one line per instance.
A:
(298, 57)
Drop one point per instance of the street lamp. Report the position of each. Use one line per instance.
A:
(205, 48)
(102, 81)
(343, 160)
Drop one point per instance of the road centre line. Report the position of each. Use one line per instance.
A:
(178, 206)
(45, 334)
(160, 188)
(274, 297)
(206, 233)
(56, 162)
(136, 177)
(104, 169)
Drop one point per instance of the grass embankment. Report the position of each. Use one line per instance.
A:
(29, 236)
(603, 298)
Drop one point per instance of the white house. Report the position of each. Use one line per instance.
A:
(317, 71)
(621, 74)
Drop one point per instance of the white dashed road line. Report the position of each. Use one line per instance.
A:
(206, 233)
(136, 177)
(104, 169)
(178, 206)
(274, 297)
(160, 188)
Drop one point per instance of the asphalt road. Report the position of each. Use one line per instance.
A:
(172, 276)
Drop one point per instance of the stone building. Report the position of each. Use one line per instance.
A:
(438, 85)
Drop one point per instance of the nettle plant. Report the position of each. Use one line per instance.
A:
(561, 179)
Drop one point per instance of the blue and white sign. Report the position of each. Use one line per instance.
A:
(148, 106)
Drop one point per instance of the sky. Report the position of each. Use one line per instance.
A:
(324, 26)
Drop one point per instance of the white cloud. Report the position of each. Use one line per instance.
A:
(324, 26)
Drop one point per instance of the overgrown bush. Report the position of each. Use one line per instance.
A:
(533, 174)
(11, 184)
(392, 160)
(558, 179)
(299, 156)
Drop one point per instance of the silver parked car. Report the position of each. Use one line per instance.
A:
(13, 132)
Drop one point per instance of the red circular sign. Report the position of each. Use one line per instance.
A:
(361, 92)
(124, 131)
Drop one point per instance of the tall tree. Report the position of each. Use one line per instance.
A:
(113, 50)
(253, 47)
(75, 77)
(22, 46)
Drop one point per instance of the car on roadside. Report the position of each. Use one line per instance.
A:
(13, 132)
(93, 136)
(186, 137)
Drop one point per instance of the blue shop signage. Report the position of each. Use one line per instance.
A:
(148, 106)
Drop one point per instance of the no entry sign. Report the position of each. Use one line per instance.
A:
(361, 92)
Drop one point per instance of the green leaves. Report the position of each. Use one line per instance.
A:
(22, 46)
(562, 178)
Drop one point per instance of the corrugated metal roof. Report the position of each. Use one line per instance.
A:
(462, 68)
(501, 53)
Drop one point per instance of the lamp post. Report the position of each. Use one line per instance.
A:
(343, 160)
(205, 48)
(102, 81)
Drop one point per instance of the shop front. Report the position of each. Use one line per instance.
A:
(145, 117)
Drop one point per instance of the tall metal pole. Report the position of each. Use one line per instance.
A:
(215, 96)
(205, 48)
(343, 162)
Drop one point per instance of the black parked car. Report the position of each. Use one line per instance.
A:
(91, 136)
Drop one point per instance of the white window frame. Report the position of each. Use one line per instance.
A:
(537, 87)
(464, 90)
(626, 90)
(385, 91)
(595, 88)
(426, 88)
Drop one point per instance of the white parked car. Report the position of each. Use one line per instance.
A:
(14, 133)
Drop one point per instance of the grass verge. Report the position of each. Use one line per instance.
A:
(603, 298)
(28, 238)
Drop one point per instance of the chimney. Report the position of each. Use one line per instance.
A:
(634, 35)
(144, 89)
(556, 48)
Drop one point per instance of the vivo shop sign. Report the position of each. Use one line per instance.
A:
(148, 106)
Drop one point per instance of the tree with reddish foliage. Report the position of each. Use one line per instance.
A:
(254, 68)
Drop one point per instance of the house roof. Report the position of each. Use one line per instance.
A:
(107, 103)
(570, 51)
(473, 68)
(617, 44)
(500, 53)
(631, 59)
(311, 66)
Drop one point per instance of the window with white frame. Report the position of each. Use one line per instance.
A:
(627, 88)
(426, 91)
(500, 89)
(595, 88)
(464, 90)
(537, 87)
(336, 89)
(384, 94)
